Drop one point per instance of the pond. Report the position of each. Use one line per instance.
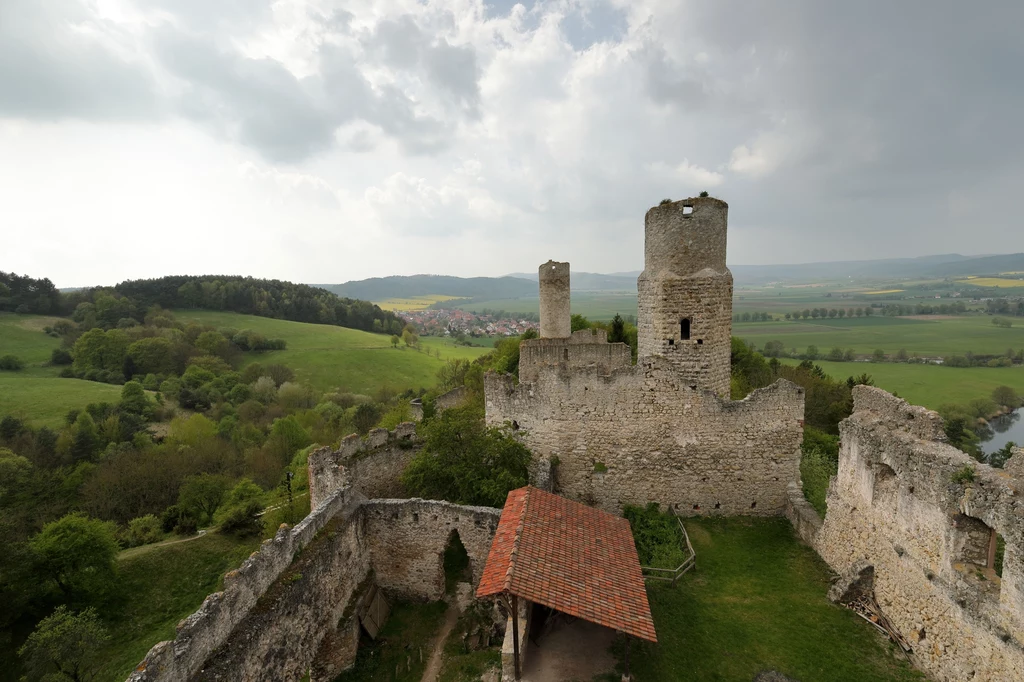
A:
(1002, 430)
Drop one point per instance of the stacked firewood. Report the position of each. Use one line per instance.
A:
(865, 606)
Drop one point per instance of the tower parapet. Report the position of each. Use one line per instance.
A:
(554, 300)
(685, 291)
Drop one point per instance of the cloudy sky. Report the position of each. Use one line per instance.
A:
(323, 141)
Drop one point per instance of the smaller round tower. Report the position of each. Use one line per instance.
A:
(685, 291)
(554, 300)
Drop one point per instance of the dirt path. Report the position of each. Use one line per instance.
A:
(451, 616)
(135, 551)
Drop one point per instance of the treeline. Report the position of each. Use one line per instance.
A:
(1005, 306)
(777, 349)
(25, 295)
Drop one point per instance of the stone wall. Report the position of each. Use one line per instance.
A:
(895, 506)
(292, 607)
(584, 348)
(641, 434)
(553, 280)
(373, 464)
(407, 539)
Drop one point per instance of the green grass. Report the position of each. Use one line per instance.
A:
(162, 586)
(460, 665)
(328, 357)
(930, 385)
(756, 601)
(926, 337)
(402, 648)
(39, 396)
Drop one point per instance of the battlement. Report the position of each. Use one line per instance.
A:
(585, 348)
(376, 462)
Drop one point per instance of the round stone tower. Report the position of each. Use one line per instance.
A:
(685, 291)
(554, 300)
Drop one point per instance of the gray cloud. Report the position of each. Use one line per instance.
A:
(50, 71)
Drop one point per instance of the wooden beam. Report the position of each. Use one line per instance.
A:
(627, 657)
(515, 632)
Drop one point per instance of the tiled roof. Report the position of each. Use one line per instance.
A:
(570, 557)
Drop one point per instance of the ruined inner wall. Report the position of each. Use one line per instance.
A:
(407, 539)
(894, 506)
(292, 606)
(373, 464)
(641, 434)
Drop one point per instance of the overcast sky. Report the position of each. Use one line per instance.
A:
(322, 141)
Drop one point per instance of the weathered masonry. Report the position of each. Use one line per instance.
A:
(662, 430)
(294, 605)
(905, 513)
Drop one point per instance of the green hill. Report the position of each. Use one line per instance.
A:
(328, 357)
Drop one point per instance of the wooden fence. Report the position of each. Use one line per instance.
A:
(673, 574)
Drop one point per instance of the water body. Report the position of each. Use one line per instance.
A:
(1003, 429)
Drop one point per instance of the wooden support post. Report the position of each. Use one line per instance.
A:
(515, 632)
(627, 677)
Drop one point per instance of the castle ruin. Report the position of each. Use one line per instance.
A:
(663, 430)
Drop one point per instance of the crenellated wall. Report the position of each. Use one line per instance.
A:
(374, 464)
(641, 433)
(585, 348)
(898, 505)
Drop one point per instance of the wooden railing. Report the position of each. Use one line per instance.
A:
(673, 574)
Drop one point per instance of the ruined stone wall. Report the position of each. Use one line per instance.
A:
(292, 607)
(895, 506)
(218, 620)
(641, 434)
(407, 538)
(584, 348)
(553, 279)
(373, 464)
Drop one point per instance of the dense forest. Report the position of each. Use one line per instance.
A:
(129, 300)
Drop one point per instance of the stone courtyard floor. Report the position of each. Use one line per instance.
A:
(574, 651)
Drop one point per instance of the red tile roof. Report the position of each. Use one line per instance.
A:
(570, 557)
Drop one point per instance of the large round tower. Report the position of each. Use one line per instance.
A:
(555, 320)
(685, 291)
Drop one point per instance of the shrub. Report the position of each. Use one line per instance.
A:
(243, 520)
(143, 530)
(11, 363)
(963, 475)
(656, 535)
(59, 356)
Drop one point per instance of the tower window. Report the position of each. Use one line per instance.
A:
(684, 329)
(565, 353)
(687, 210)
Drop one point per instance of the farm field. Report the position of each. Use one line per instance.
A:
(1000, 282)
(328, 357)
(929, 385)
(756, 601)
(414, 302)
(593, 305)
(924, 336)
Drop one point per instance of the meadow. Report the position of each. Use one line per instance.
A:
(929, 385)
(999, 282)
(926, 336)
(336, 358)
(36, 392)
(414, 303)
(756, 601)
(596, 305)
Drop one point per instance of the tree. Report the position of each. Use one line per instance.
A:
(1006, 396)
(836, 354)
(812, 352)
(85, 441)
(452, 374)
(202, 494)
(465, 462)
(578, 322)
(868, 311)
(78, 554)
(395, 340)
(365, 417)
(11, 363)
(849, 355)
(902, 355)
(65, 647)
(133, 399)
(617, 330)
(878, 355)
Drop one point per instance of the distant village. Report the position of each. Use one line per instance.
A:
(458, 323)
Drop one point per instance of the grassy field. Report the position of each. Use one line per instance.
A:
(1000, 282)
(756, 601)
(329, 357)
(414, 302)
(401, 650)
(924, 336)
(930, 385)
(163, 586)
(36, 392)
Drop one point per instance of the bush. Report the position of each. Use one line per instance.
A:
(243, 520)
(59, 356)
(656, 535)
(963, 475)
(67, 373)
(11, 363)
(143, 530)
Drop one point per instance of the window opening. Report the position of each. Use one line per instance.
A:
(684, 329)
(687, 210)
